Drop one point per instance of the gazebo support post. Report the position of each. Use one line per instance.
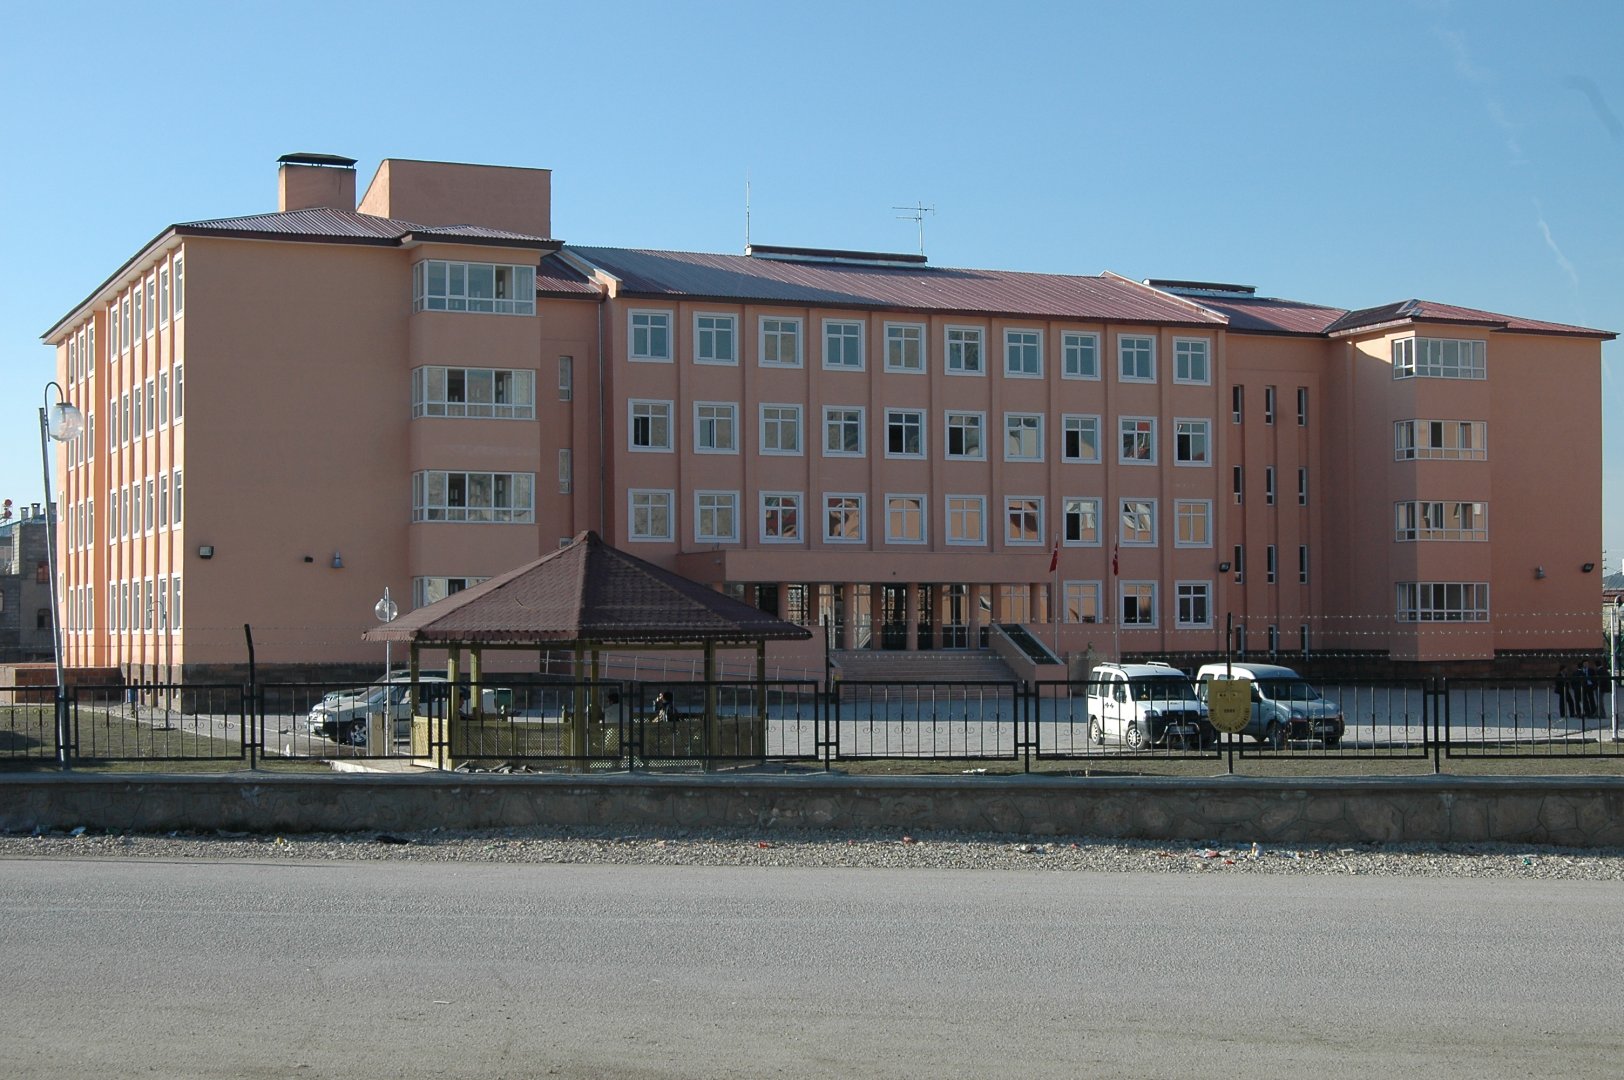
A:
(577, 733)
(453, 704)
(711, 725)
(761, 688)
(476, 675)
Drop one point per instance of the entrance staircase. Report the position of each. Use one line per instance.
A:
(926, 665)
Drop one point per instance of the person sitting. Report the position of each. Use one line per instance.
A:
(665, 710)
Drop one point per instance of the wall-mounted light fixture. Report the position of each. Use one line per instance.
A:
(1587, 567)
(1223, 568)
(1539, 573)
(338, 561)
(205, 551)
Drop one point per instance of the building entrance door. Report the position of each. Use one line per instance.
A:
(893, 617)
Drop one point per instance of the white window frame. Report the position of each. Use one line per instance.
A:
(1196, 424)
(955, 349)
(798, 500)
(832, 327)
(790, 415)
(920, 512)
(1132, 504)
(431, 393)
(1127, 343)
(716, 500)
(1192, 510)
(651, 499)
(861, 501)
(1153, 605)
(1030, 430)
(1268, 485)
(1123, 431)
(1428, 520)
(1184, 352)
(843, 417)
(1416, 439)
(949, 426)
(902, 334)
(895, 417)
(721, 412)
(702, 333)
(1442, 601)
(1027, 345)
(1189, 590)
(1080, 355)
(1075, 596)
(651, 404)
(1081, 506)
(1039, 535)
(652, 319)
(1426, 358)
(781, 328)
(517, 511)
(521, 282)
(1080, 423)
(979, 503)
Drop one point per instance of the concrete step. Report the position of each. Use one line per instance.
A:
(944, 665)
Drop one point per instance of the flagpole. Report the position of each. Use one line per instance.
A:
(1054, 597)
(1116, 609)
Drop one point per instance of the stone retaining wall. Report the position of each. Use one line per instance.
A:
(1583, 812)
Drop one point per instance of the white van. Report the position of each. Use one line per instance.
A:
(1142, 705)
(1285, 708)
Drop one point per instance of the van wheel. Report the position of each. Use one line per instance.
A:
(1096, 731)
(1274, 735)
(1331, 741)
(1133, 736)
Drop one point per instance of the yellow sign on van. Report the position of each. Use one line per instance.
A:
(1229, 701)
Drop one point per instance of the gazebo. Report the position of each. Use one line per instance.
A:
(584, 598)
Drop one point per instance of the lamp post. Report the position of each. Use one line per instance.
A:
(60, 422)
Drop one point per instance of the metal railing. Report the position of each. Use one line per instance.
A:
(535, 723)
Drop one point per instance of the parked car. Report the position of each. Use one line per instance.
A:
(1142, 705)
(1285, 708)
(342, 716)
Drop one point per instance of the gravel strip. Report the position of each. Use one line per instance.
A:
(890, 850)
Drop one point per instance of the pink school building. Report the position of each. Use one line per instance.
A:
(289, 412)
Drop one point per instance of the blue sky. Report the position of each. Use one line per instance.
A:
(1345, 154)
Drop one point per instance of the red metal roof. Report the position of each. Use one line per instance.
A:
(589, 592)
(348, 225)
(1267, 315)
(1430, 311)
(919, 288)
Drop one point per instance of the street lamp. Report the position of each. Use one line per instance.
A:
(60, 422)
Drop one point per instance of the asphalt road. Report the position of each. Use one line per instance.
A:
(316, 970)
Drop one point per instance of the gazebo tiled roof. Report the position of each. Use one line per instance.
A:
(588, 594)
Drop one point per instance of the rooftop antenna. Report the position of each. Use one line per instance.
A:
(747, 211)
(916, 214)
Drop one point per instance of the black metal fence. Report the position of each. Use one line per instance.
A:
(538, 724)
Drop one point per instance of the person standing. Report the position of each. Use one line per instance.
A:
(1592, 695)
(1561, 687)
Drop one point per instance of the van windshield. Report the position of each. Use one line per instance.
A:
(1162, 688)
(1288, 690)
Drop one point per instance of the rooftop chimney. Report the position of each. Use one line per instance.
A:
(312, 181)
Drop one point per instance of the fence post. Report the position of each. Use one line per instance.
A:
(1440, 692)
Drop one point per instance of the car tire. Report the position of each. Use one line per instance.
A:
(1274, 736)
(357, 735)
(1096, 731)
(1331, 741)
(1133, 737)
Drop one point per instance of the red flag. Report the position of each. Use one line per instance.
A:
(1115, 551)
(1054, 559)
